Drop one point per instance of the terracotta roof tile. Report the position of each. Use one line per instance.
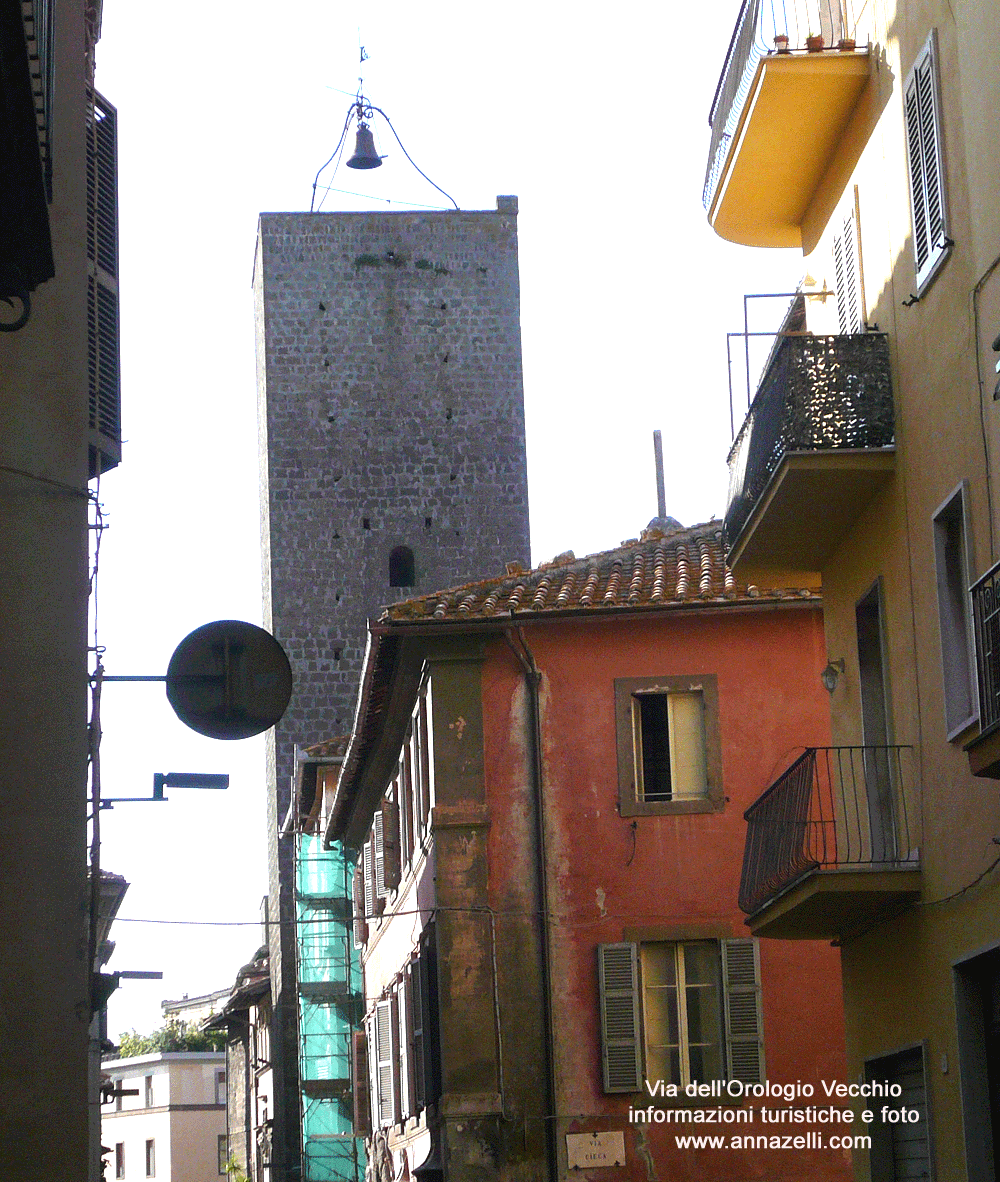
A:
(329, 749)
(685, 566)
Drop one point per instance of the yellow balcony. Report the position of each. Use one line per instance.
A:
(780, 121)
(831, 849)
(816, 445)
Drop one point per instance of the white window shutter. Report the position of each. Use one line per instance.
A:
(744, 1020)
(618, 980)
(922, 107)
(847, 267)
(368, 870)
(378, 854)
(373, 1075)
(384, 1068)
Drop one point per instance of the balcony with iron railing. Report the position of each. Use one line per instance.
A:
(816, 445)
(832, 846)
(782, 115)
(984, 750)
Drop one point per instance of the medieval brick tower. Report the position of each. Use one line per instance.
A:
(392, 462)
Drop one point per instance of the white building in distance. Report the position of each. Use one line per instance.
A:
(173, 1128)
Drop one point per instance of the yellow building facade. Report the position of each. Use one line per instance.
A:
(867, 464)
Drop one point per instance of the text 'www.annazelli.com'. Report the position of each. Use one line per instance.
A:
(792, 1141)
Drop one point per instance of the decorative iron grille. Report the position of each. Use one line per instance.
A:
(817, 394)
(986, 618)
(753, 38)
(834, 808)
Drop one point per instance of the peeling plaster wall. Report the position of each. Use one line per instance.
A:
(682, 873)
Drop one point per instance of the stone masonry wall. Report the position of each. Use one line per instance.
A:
(391, 414)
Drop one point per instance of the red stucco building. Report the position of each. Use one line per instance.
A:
(546, 784)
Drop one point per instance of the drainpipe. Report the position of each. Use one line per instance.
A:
(532, 680)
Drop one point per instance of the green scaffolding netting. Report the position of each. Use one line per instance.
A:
(330, 1010)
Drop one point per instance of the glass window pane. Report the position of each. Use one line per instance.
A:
(654, 726)
(659, 964)
(703, 1003)
(688, 772)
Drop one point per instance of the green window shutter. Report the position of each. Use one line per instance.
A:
(744, 1020)
(618, 981)
(921, 104)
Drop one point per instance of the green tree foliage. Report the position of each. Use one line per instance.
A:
(174, 1036)
(235, 1172)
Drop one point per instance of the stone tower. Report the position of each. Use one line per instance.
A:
(392, 462)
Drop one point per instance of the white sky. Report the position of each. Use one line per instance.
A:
(597, 119)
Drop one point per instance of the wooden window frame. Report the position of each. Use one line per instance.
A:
(623, 1037)
(630, 802)
(953, 565)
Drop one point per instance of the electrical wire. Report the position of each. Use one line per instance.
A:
(561, 920)
(372, 197)
(411, 160)
(968, 886)
(340, 142)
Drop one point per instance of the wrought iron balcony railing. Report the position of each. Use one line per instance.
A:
(986, 619)
(818, 393)
(835, 808)
(759, 24)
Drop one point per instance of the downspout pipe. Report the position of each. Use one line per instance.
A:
(533, 680)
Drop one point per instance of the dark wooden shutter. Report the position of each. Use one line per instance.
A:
(405, 1036)
(392, 865)
(362, 1089)
(923, 142)
(418, 993)
(744, 1022)
(618, 981)
(360, 912)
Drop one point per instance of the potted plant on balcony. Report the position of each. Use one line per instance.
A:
(815, 42)
(846, 44)
(781, 43)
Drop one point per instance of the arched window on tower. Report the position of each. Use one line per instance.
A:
(402, 568)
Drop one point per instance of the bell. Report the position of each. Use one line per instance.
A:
(365, 155)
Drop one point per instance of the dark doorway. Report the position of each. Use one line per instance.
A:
(977, 1012)
(875, 724)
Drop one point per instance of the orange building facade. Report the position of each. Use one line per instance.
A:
(546, 785)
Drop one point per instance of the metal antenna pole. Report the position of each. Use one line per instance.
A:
(661, 496)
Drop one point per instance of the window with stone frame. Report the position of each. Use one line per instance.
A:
(681, 1012)
(669, 758)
